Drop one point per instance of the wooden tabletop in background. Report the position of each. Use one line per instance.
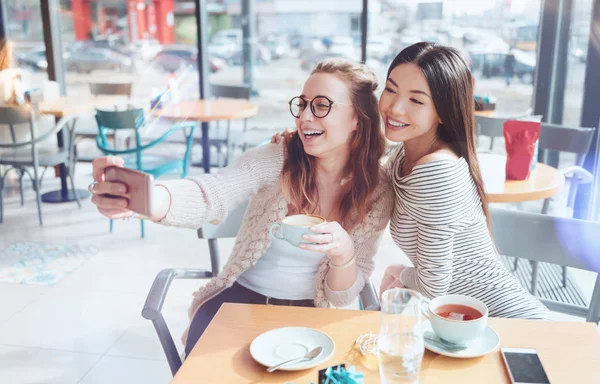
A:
(71, 105)
(208, 110)
(544, 182)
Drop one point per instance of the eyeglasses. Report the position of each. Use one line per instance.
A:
(320, 106)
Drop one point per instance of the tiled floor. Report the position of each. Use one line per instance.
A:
(88, 327)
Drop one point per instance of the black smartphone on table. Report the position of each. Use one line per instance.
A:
(524, 366)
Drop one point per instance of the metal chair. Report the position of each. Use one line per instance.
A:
(490, 126)
(21, 155)
(558, 138)
(555, 240)
(100, 88)
(220, 142)
(156, 297)
(109, 122)
(103, 89)
(494, 126)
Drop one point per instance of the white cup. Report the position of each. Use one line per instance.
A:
(457, 331)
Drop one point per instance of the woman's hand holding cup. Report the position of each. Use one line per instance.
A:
(330, 238)
(113, 206)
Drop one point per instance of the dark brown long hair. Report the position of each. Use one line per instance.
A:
(298, 176)
(451, 85)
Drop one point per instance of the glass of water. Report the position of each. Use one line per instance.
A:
(400, 342)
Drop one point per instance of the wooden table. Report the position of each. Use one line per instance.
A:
(67, 106)
(543, 183)
(204, 111)
(491, 113)
(570, 352)
(72, 105)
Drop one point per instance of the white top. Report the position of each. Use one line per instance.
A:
(284, 272)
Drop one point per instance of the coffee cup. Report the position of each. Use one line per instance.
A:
(457, 319)
(292, 228)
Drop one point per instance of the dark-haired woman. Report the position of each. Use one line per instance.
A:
(440, 217)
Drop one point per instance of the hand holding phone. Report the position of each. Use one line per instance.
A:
(524, 366)
(139, 185)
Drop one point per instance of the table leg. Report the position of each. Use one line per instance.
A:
(205, 148)
(64, 194)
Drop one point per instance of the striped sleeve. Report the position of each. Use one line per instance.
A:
(440, 198)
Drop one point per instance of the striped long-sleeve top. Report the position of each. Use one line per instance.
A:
(438, 222)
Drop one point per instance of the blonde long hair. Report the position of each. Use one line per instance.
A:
(298, 176)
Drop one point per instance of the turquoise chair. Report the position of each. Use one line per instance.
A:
(133, 119)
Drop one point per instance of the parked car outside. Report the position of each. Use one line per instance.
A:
(491, 64)
(278, 45)
(91, 59)
(145, 49)
(34, 60)
(175, 57)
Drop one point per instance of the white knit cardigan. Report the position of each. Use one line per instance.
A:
(256, 176)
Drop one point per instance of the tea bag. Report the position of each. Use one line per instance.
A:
(456, 316)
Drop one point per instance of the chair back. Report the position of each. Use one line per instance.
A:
(490, 126)
(10, 118)
(228, 228)
(230, 91)
(111, 121)
(561, 138)
(555, 240)
(124, 89)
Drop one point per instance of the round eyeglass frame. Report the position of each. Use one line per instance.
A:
(312, 107)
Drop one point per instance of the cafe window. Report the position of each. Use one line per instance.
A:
(483, 31)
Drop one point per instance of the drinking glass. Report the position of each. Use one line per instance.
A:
(400, 342)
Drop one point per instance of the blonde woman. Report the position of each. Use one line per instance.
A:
(329, 168)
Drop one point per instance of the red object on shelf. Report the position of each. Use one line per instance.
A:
(520, 139)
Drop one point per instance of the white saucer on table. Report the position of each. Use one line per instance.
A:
(281, 344)
(488, 341)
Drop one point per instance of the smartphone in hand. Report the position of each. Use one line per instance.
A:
(140, 186)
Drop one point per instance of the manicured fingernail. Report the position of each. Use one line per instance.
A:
(122, 190)
(123, 204)
(313, 228)
(305, 237)
(302, 245)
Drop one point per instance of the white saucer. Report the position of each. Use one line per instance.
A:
(488, 341)
(281, 344)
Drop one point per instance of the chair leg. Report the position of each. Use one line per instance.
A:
(491, 143)
(227, 146)
(75, 191)
(37, 194)
(534, 276)
(1, 199)
(111, 225)
(143, 232)
(21, 174)
(516, 264)
(546, 206)
(564, 276)
(213, 249)
(245, 144)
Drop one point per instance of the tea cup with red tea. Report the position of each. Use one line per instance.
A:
(457, 319)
